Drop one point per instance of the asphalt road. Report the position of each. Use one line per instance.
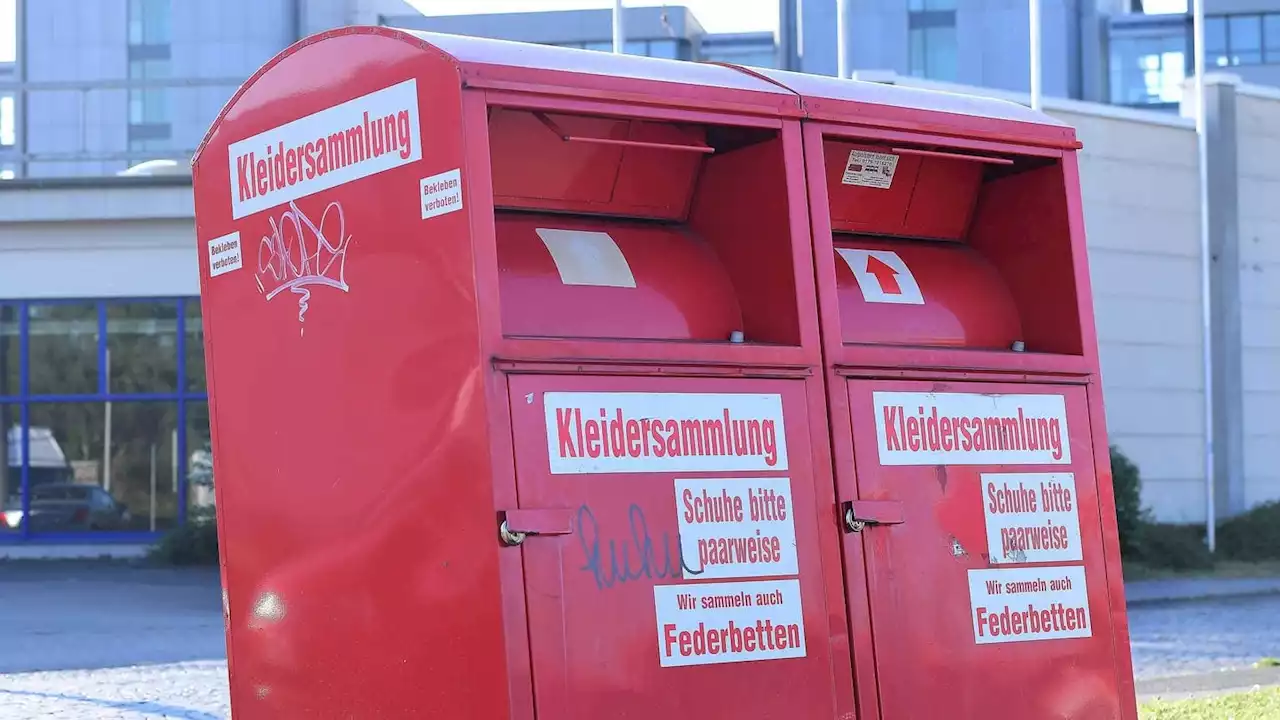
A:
(101, 641)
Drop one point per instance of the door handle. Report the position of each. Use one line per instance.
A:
(860, 513)
(519, 524)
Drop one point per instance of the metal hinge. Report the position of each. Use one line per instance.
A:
(860, 513)
(519, 524)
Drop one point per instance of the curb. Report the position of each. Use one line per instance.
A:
(1152, 592)
(1223, 682)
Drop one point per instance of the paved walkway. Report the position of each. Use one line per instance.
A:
(108, 642)
(1153, 591)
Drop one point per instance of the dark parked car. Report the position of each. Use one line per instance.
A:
(63, 507)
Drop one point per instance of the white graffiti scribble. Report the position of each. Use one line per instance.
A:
(298, 254)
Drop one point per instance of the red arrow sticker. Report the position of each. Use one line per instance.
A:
(882, 276)
(885, 275)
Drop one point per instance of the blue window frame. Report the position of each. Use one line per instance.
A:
(101, 404)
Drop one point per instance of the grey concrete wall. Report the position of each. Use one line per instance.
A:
(1139, 181)
(1258, 137)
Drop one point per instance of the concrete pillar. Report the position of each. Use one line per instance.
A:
(1224, 291)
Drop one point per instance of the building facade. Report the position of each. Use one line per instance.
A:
(954, 41)
(102, 399)
(670, 32)
(1097, 50)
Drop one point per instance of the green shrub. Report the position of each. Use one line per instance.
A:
(1169, 546)
(1253, 535)
(195, 543)
(1126, 482)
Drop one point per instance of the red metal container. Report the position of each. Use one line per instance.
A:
(525, 365)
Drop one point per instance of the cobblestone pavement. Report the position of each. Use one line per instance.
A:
(94, 642)
(1183, 638)
(108, 642)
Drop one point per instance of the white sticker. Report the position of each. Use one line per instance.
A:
(971, 429)
(870, 169)
(332, 147)
(441, 193)
(736, 528)
(224, 254)
(1031, 517)
(1022, 604)
(587, 258)
(715, 623)
(882, 276)
(664, 432)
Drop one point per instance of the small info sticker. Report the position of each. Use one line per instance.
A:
(441, 193)
(715, 623)
(1031, 517)
(1022, 604)
(736, 528)
(870, 169)
(224, 254)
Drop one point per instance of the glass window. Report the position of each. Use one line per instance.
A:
(1244, 33)
(194, 347)
(63, 348)
(667, 49)
(8, 31)
(10, 469)
(932, 52)
(142, 347)
(199, 459)
(605, 46)
(940, 53)
(9, 349)
(1271, 37)
(65, 450)
(1215, 42)
(8, 172)
(143, 470)
(1147, 70)
(8, 121)
(149, 22)
(925, 5)
(634, 47)
(148, 105)
(103, 467)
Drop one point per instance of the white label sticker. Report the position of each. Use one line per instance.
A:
(971, 429)
(332, 147)
(587, 258)
(882, 276)
(1031, 517)
(870, 169)
(714, 623)
(664, 432)
(736, 528)
(441, 193)
(224, 254)
(1022, 604)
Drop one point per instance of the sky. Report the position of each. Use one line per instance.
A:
(715, 15)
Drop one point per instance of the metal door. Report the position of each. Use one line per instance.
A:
(979, 516)
(678, 572)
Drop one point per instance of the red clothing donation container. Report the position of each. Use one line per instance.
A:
(523, 397)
